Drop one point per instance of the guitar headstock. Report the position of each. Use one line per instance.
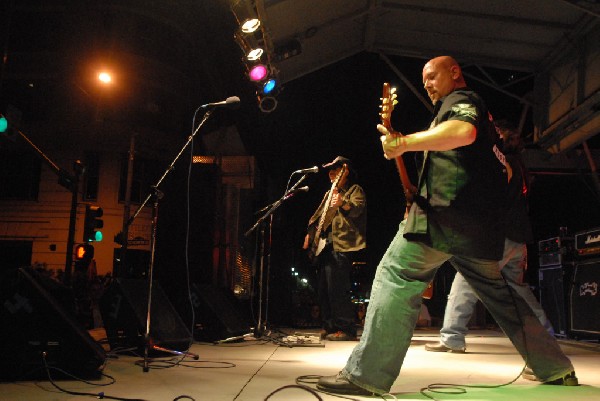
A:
(388, 101)
(341, 174)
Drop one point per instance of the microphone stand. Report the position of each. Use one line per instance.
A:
(156, 195)
(260, 326)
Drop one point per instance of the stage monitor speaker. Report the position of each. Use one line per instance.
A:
(219, 314)
(585, 300)
(124, 309)
(33, 323)
(552, 297)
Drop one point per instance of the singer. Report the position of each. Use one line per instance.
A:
(336, 236)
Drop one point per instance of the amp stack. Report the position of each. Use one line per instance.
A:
(555, 272)
(584, 296)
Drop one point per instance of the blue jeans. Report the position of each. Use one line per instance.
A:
(462, 298)
(401, 278)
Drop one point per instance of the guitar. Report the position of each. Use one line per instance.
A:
(388, 102)
(317, 243)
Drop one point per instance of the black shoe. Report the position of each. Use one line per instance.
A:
(439, 347)
(338, 384)
(567, 380)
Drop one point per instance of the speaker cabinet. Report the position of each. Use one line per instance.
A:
(585, 300)
(219, 314)
(552, 297)
(124, 309)
(33, 323)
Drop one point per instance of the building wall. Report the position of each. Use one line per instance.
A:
(45, 222)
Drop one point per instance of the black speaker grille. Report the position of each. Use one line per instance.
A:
(33, 322)
(585, 298)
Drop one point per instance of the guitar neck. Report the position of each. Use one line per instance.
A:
(406, 184)
(388, 101)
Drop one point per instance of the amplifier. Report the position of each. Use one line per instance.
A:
(587, 243)
(550, 245)
(550, 259)
(585, 299)
(555, 251)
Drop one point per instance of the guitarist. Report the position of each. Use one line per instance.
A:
(342, 216)
(463, 186)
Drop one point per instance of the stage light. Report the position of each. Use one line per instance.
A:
(246, 15)
(255, 54)
(253, 38)
(250, 25)
(251, 45)
(267, 104)
(269, 86)
(258, 72)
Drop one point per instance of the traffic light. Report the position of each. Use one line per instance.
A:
(92, 223)
(7, 130)
(84, 253)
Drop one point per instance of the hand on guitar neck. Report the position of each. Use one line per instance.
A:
(393, 142)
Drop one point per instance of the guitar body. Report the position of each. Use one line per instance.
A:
(317, 244)
(388, 101)
(428, 293)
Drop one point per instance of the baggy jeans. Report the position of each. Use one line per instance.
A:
(462, 298)
(400, 279)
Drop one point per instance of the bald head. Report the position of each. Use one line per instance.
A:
(442, 75)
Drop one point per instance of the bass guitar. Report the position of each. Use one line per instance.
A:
(388, 102)
(317, 243)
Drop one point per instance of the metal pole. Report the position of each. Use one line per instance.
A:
(127, 209)
(72, 223)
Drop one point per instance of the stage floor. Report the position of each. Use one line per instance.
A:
(251, 370)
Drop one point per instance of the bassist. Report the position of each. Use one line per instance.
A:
(336, 234)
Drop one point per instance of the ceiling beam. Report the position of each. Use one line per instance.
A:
(592, 8)
(448, 12)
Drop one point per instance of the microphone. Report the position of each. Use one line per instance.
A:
(314, 169)
(301, 189)
(295, 191)
(231, 102)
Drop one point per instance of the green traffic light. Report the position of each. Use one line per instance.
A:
(92, 223)
(3, 124)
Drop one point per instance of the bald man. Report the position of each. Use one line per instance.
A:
(457, 218)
